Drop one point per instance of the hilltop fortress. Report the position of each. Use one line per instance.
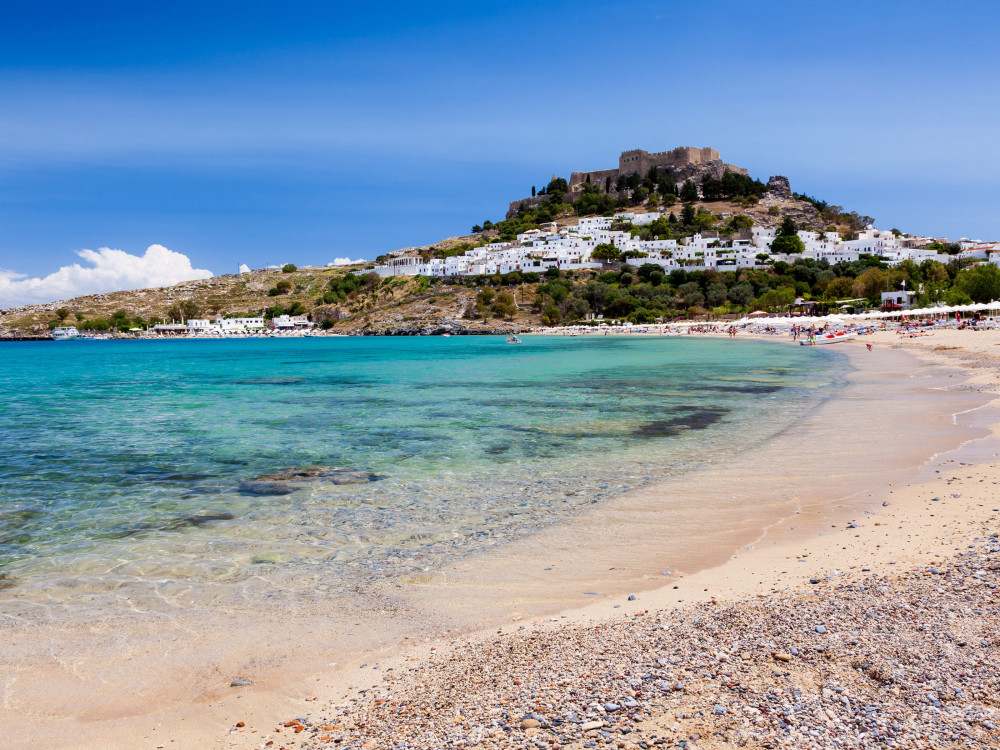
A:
(685, 160)
(682, 163)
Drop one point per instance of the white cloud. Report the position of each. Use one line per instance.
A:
(108, 271)
(347, 261)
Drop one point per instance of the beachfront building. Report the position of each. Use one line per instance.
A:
(170, 329)
(200, 325)
(292, 323)
(902, 299)
(237, 325)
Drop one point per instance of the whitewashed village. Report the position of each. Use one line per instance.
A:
(569, 249)
(745, 231)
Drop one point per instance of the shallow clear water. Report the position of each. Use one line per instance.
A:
(132, 461)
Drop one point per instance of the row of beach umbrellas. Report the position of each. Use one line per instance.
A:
(874, 315)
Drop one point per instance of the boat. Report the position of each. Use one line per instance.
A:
(513, 340)
(65, 333)
(829, 338)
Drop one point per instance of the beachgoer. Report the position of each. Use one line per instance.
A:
(869, 346)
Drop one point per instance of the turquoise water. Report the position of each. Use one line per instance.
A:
(154, 461)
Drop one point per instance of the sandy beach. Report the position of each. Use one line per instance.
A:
(834, 592)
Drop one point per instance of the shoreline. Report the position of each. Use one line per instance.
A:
(754, 567)
(701, 715)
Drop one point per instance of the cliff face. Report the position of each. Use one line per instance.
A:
(696, 172)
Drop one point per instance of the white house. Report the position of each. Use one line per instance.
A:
(902, 298)
(292, 322)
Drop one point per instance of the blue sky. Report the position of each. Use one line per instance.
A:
(265, 133)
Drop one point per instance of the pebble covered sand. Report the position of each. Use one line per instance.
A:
(893, 656)
(902, 661)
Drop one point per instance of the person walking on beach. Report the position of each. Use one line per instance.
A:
(869, 346)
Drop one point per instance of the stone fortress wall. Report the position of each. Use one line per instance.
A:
(638, 160)
(641, 161)
(686, 162)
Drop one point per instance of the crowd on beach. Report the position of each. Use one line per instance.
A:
(809, 326)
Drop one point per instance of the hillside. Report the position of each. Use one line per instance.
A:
(351, 304)
(399, 303)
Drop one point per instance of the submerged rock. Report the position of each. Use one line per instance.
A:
(266, 488)
(198, 520)
(329, 474)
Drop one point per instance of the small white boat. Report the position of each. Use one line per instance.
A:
(65, 333)
(828, 338)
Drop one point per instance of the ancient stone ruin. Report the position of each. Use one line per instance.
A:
(682, 163)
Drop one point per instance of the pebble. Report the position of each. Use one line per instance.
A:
(241, 682)
(895, 670)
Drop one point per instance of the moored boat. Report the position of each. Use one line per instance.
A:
(828, 338)
(65, 333)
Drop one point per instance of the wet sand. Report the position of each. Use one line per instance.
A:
(133, 681)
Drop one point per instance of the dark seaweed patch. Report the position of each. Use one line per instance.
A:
(266, 488)
(753, 389)
(26, 514)
(695, 420)
(165, 474)
(271, 381)
(198, 520)
(173, 525)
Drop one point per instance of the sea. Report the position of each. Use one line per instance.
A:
(149, 465)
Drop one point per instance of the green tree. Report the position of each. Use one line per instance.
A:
(690, 294)
(551, 315)
(190, 308)
(840, 288)
(788, 228)
(289, 268)
(981, 282)
(704, 219)
(62, 313)
(606, 252)
(576, 308)
(504, 306)
(741, 293)
(689, 192)
(775, 298)
(788, 244)
(740, 221)
(557, 186)
(870, 284)
(715, 294)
